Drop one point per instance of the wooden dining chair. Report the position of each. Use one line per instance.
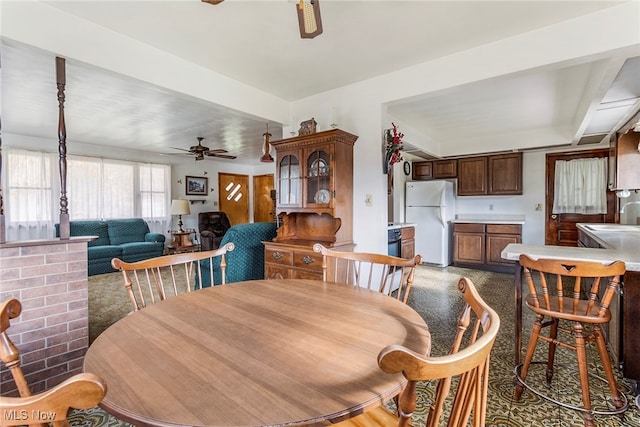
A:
(578, 293)
(384, 273)
(82, 391)
(154, 279)
(468, 360)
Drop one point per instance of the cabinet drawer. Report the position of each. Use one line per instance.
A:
(504, 228)
(306, 274)
(468, 228)
(276, 272)
(408, 233)
(309, 260)
(278, 256)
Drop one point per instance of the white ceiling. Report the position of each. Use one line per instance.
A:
(258, 43)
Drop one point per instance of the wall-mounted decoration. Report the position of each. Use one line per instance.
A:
(407, 168)
(196, 186)
(391, 145)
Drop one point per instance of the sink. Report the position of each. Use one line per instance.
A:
(614, 227)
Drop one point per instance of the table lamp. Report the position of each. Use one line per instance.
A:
(180, 207)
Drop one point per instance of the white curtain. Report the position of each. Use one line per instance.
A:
(581, 186)
(31, 194)
(96, 189)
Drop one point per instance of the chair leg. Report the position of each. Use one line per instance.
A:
(584, 375)
(606, 362)
(553, 335)
(531, 348)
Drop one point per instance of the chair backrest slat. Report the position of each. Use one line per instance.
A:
(155, 279)
(390, 275)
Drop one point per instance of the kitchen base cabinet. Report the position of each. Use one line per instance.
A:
(621, 332)
(468, 244)
(478, 245)
(497, 238)
(408, 242)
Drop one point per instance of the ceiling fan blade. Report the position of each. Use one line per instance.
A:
(212, 1)
(222, 156)
(181, 149)
(217, 150)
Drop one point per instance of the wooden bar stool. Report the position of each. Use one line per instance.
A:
(555, 294)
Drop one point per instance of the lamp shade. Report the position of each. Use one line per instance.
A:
(180, 207)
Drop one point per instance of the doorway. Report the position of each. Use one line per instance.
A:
(264, 209)
(234, 197)
(560, 229)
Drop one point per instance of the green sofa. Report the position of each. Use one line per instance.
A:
(246, 261)
(128, 239)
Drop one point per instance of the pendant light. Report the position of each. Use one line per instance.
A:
(266, 147)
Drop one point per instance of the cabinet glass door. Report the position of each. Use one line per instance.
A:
(289, 185)
(318, 178)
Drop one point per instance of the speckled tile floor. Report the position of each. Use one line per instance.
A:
(435, 297)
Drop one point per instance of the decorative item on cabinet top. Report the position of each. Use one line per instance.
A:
(307, 127)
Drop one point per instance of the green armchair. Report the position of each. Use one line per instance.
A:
(246, 261)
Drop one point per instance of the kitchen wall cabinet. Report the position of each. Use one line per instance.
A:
(422, 171)
(472, 176)
(435, 169)
(624, 158)
(314, 201)
(479, 245)
(505, 174)
(494, 175)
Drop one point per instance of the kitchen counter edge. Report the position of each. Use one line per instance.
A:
(621, 247)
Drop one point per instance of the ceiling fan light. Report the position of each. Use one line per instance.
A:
(309, 18)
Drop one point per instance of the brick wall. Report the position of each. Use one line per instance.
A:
(49, 278)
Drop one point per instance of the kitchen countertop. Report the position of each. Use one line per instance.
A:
(621, 242)
(489, 219)
(393, 225)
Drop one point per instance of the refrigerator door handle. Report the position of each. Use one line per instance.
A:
(442, 207)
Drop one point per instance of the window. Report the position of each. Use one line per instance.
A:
(581, 186)
(96, 189)
(154, 187)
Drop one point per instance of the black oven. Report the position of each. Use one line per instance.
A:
(394, 241)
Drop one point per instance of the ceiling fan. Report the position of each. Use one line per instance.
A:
(200, 151)
(308, 12)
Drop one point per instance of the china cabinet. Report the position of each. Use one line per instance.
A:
(314, 201)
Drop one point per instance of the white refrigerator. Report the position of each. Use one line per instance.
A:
(431, 206)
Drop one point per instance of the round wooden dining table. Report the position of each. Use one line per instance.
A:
(261, 352)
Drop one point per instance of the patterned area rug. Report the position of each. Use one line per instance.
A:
(436, 298)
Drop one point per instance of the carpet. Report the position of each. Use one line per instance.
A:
(436, 298)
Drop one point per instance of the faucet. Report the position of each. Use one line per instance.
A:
(637, 202)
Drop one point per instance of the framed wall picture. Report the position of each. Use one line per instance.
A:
(196, 186)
